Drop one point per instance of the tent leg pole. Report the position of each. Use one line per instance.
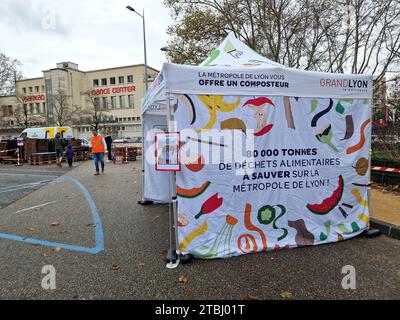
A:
(143, 201)
(183, 258)
(175, 211)
(173, 254)
(370, 232)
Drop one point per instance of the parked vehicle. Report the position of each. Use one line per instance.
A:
(123, 139)
(85, 142)
(47, 132)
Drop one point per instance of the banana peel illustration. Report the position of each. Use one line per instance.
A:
(215, 104)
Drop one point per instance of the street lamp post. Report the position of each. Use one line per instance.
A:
(143, 201)
(144, 44)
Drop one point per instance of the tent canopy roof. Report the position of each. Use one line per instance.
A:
(235, 69)
(233, 52)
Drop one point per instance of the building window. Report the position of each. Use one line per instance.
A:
(10, 111)
(44, 107)
(131, 99)
(95, 82)
(42, 88)
(37, 108)
(112, 80)
(30, 90)
(25, 108)
(121, 80)
(105, 103)
(31, 108)
(5, 111)
(130, 79)
(113, 102)
(24, 90)
(104, 81)
(96, 102)
(122, 102)
(37, 89)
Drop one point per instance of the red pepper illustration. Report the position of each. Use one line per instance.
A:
(210, 205)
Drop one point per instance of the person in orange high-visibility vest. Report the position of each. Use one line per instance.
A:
(98, 147)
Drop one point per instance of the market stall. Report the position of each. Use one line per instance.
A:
(272, 157)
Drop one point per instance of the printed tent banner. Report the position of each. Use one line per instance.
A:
(304, 182)
(295, 167)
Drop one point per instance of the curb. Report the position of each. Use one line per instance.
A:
(386, 228)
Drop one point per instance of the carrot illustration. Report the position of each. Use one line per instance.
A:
(251, 227)
(359, 145)
(194, 234)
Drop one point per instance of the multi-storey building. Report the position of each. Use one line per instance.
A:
(71, 96)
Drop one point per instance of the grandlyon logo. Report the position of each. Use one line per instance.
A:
(344, 83)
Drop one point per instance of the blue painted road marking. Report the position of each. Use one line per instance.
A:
(99, 233)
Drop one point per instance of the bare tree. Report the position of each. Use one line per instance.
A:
(93, 115)
(22, 115)
(357, 36)
(8, 74)
(393, 100)
(64, 112)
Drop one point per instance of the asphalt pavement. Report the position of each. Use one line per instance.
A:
(135, 241)
(17, 182)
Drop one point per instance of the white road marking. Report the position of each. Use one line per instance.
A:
(34, 207)
(24, 186)
(28, 175)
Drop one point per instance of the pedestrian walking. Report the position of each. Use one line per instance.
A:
(70, 155)
(108, 141)
(98, 148)
(59, 148)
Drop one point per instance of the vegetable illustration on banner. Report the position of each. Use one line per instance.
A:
(210, 205)
(267, 214)
(361, 143)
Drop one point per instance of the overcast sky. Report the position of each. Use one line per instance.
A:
(93, 33)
